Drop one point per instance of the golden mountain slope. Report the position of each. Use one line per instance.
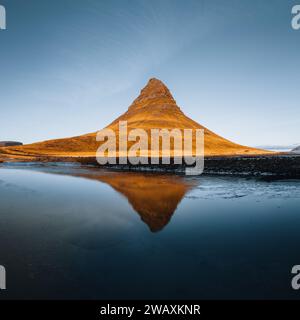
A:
(154, 108)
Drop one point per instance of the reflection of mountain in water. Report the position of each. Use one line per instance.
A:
(154, 197)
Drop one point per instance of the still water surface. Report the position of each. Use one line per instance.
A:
(73, 232)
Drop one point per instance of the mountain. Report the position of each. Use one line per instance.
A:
(296, 150)
(10, 143)
(155, 107)
(278, 148)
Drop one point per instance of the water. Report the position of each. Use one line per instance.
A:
(71, 232)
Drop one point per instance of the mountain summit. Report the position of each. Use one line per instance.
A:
(154, 93)
(154, 108)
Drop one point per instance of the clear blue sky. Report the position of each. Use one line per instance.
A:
(69, 67)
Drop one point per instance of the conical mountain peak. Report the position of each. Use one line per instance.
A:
(155, 87)
(154, 108)
(155, 93)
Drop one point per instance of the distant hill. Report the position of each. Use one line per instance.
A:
(155, 107)
(10, 143)
(279, 148)
(296, 150)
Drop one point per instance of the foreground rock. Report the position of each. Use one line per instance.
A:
(279, 166)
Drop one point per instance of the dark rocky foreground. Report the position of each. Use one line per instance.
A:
(285, 166)
(280, 165)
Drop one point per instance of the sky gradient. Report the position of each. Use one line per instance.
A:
(70, 67)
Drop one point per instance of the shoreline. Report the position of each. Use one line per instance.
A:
(281, 165)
